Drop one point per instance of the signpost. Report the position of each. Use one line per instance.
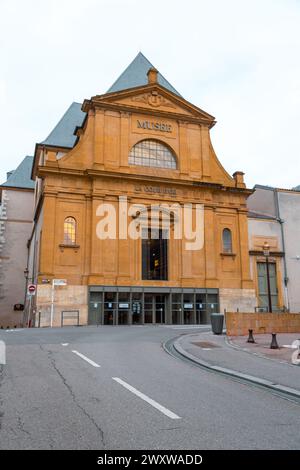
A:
(31, 291)
(55, 282)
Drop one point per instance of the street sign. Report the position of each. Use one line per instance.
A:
(124, 305)
(188, 306)
(31, 289)
(136, 307)
(59, 282)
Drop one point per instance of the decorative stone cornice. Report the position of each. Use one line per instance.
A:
(155, 96)
(274, 254)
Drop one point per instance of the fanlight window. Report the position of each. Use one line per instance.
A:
(152, 153)
(70, 231)
(227, 241)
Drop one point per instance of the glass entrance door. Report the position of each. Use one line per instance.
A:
(95, 308)
(148, 308)
(160, 308)
(110, 307)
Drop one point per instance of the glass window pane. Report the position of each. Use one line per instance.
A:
(227, 241)
(155, 256)
(153, 154)
(69, 231)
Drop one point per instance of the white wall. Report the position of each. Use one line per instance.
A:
(17, 228)
(289, 206)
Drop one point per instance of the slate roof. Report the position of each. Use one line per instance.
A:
(271, 188)
(63, 133)
(134, 75)
(21, 177)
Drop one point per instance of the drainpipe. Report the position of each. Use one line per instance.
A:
(26, 272)
(281, 222)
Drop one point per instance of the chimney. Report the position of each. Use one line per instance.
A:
(152, 76)
(239, 179)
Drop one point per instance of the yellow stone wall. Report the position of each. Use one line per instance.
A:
(238, 324)
(66, 298)
(96, 170)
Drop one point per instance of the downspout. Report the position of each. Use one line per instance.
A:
(26, 284)
(281, 222)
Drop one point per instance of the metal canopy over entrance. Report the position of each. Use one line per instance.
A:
(145, 305)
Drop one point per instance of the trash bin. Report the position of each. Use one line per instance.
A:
(217, 320)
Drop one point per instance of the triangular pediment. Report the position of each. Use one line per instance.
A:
(154, 98)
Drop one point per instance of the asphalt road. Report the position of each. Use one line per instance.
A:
(116, 388)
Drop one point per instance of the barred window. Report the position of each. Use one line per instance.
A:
(227, 241)
(152, 153)
(70, 231)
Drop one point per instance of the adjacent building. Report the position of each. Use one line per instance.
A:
(144, 145)
(274, 217)
(125, 215)
(16, 215)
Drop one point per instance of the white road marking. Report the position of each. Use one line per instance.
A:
(144, 397)
(206, 349)
(14, 329)
(86, 359)
(65, 344)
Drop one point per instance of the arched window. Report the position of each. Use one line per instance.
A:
(152, 153)
(227, 240)
(69, 231)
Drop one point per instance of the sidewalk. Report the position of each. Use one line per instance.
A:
(237, 355)
(262, 345)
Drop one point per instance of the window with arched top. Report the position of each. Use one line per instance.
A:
(69, 231)
(152, 153)
(227, 241)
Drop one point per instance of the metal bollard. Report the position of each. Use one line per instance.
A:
(250, 337)
(274, 344)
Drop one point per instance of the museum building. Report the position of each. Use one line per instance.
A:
(141, 142)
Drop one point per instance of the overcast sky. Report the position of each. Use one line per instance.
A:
(239, 60)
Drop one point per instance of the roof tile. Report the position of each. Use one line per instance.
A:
(21, 177)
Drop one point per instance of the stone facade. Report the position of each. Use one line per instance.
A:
(73, 182)
(274, 218)
(65, 299)
(238, 324)
(233, 300)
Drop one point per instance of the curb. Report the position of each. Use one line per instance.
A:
(292, 392)
(230, 344)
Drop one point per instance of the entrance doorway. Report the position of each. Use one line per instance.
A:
(110, 307)
(160, 309)
(155, 308)
(126, 306)
(95, 308)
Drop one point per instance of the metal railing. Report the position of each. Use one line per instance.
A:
(69, 314)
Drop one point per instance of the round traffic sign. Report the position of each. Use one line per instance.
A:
(31, 288)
